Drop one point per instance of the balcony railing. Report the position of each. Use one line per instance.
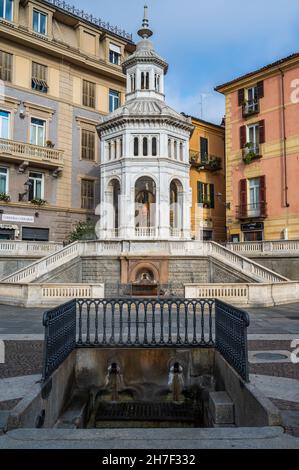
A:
(250, 211)
(145, 232)
(205, 162)
(251, 152)
(20, 151)
(251, 107)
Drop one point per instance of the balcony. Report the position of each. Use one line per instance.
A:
(251, 152)
(250, 107)
(205, 162)
(252, 211)
(26, 154)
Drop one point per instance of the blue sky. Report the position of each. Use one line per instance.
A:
(207, 42)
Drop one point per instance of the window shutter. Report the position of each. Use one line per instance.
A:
(241, 96)
(243, 197)
(212, 196)
(260, 89)
(242, 137)
(199, 192)
(263, 195)
(262, 131)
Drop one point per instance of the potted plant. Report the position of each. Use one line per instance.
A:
(38, 202)
(206, 203)
(4, 197)
(50, 144)
(215, 163)
(249, 154)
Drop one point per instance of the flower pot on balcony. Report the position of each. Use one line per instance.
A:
(38, 202)
(4, 197)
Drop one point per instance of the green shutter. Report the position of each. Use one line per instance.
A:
(212, 196)
(199, 192)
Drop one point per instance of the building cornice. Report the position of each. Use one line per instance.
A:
(58, 49)
(259, 74)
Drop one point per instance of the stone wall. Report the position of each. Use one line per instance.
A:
(103, 270)
(11, 265)
(287, 266)
(67, 273)
(188, 270)
(220, 273)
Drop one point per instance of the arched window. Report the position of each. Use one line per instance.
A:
(142, 81)
(109, 150)
(136, 146)
(147, 81)
(154, 146)
(145, 147)
(169, 148)
(121, 147)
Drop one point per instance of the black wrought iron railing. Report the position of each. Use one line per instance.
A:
(145, 323)
(231, 336)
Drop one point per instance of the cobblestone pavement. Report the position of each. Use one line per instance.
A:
(22, 358)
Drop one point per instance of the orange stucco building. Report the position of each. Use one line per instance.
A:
(207, 180)
(262, 152)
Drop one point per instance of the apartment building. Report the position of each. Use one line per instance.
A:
(207, 180)
(60, 73)
(262, 152)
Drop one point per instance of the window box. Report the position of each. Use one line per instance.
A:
(38, 202)
(4, 197)
(251, 152)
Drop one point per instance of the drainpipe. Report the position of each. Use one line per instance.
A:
(284, 139)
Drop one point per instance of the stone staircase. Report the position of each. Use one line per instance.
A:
(238, 263)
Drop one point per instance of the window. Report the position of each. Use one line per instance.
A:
(204, 149)
(4, 125)
(6, 9)
(253, 138)
(89, 94)
(207, 235)
(205, 195)
(35, 234)
(87, 145)
(5, 66)
(169, 148)
(39, 22)
(114, 100)
(39, 77)
(181, 151)
(144, 80)
(145, 147)
(37, 132)
(249, 98)
(133, 82)
(175, 149)
(136, 146)
(154, 146)
(254, 193)
(3, 180)
(87, 194)
(114, 54)
(157, 82)
(36, 186)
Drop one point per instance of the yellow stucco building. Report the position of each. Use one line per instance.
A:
(60, 73)
(207, 179)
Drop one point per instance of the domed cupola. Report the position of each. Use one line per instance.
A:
(145, 69)
(145, 183)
